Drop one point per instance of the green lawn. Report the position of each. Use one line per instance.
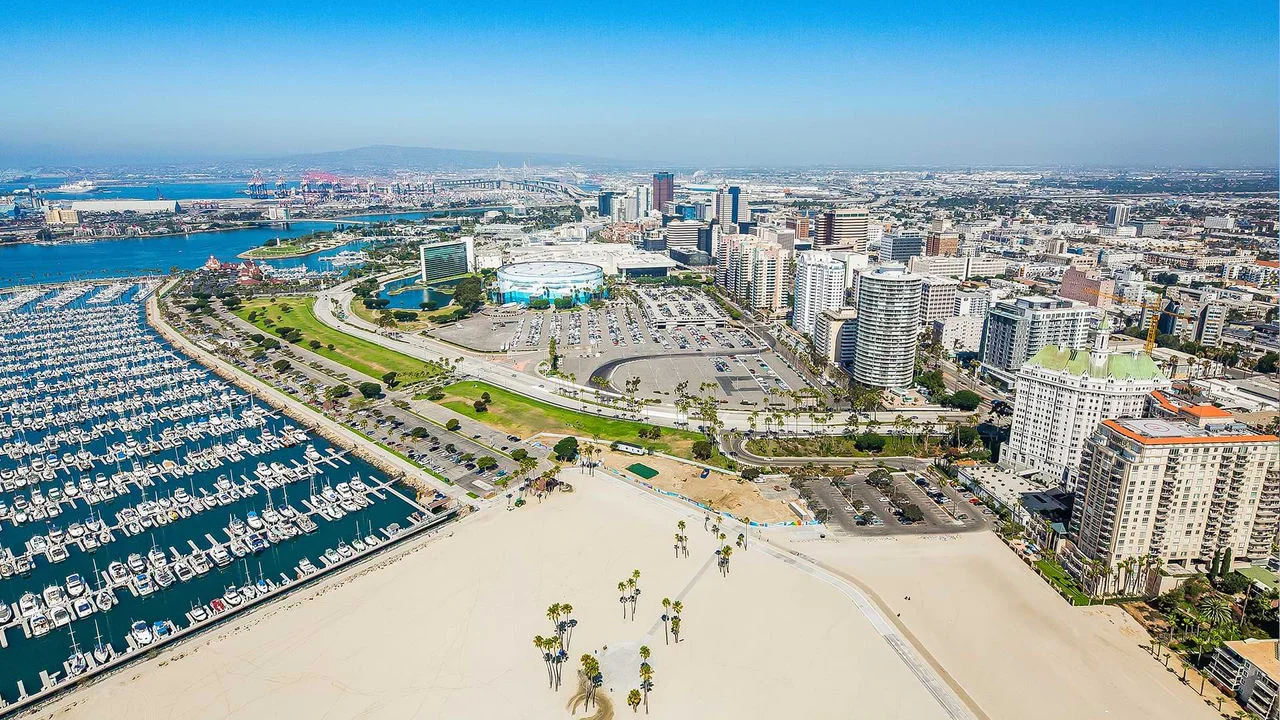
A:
(360, 355)
(524, 417)
(838, 446)
(1062, 581)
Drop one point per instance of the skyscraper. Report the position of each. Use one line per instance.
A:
(753, 271)
(942, 243)
(887, 327)
(1117, 215)
(819, 286)
(842, 229)
(730, 208)
(664, 190)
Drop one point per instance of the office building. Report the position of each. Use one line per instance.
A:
(1019, 328)
(1223, 222)
(1250, 670)
(683, 234)
(888, 327)
(901, 247)
(1087, 287)
(664, 190)
(964, 268)
(1148, 228)
(604, 203)
(1118, 215)
(1062, 395)
(772, 233)
(141, 207)
(729, 207)
(753, 272)
(819, 286)
(835, 335)
(1183, 491)
(446, 259)
(937, 298)
(842, 229)
(800, 225)
(944, 244)
(638, 203)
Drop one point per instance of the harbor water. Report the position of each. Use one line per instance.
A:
(175, 461)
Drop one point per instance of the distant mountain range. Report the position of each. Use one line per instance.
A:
(381, 158)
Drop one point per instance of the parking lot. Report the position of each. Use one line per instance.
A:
(675, 336)
(857, 506)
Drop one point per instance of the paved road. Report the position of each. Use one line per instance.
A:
(491, 369)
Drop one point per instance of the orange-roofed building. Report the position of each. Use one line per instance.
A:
(1181, 491)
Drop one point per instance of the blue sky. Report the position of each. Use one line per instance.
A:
(1172, 83)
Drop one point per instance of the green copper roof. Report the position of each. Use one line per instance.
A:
(1120, 366)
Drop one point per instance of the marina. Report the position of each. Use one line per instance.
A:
(142, 498)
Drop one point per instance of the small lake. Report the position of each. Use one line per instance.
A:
(440, 293)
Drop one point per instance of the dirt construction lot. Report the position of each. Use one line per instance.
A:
(720, 491)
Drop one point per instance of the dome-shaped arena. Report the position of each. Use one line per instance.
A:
(549, 280)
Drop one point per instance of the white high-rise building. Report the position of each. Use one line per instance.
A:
(888, 327)
(937, 299)
(753, 271)
(1062, 395)
(1183, 490)
(1118, 215)
(819, 286)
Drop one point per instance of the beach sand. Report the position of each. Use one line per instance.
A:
(443, 627)
(721, 491)
(1018, 649)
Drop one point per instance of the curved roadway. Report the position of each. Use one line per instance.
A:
(532, 385)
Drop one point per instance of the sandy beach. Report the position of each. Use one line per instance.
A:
(443, 628)
(1005, 636)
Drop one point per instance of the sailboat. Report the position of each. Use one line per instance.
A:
(103, 653)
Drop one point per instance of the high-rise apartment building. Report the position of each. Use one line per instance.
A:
(1063, 394)
(819, 286)
(842, 229)
(1019, 328)
(664, 190)
(753, 271)
(937, 298)
(972, 302)
(835, 335)
(888, 327)
(1183, 491)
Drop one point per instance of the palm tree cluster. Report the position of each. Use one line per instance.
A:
(555, 648)
(629, 593)
(723, 562)
(646, 676)
(592, 678)
(672, 617)
(633, 699)
(682, 540)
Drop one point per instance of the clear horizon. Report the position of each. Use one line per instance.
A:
(932, 85)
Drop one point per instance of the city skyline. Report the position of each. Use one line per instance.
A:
(819, 85)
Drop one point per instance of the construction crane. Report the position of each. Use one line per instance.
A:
(1153, 325)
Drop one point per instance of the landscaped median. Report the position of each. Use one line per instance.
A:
(1062, 581)
(367, 358)
(526, 416)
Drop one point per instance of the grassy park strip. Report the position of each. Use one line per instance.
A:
(364, 357)
(524, 416)
(838, 446)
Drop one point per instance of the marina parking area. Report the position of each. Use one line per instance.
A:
(863, 504)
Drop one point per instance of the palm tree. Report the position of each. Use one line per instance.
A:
(741, 540)
(633, 699)
(677, 545)
(568, 624)
(622, 588)
(666, 616)
(646, 682)
(540, 643)
(675, 628)
(590, 669)
(1215, 609)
